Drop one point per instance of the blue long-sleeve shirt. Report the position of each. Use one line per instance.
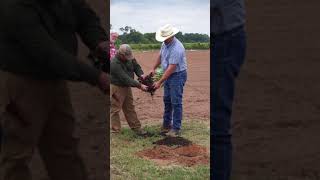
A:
(226, 15)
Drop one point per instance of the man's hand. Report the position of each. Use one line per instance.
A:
(144, 87)
(157, 85)
(152, 72)
(143, 76)
(104, 82)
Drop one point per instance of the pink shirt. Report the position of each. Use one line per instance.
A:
(113, 38)
(112, 50)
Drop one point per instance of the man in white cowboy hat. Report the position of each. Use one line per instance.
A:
(172, 58)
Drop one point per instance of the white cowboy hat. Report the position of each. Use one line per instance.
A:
(166, 32)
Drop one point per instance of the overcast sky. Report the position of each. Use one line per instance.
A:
(190, 16)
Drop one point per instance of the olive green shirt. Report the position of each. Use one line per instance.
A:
(122, 73)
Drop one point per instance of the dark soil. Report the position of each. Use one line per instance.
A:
(276, 111)
(173, 141)
(148, 81)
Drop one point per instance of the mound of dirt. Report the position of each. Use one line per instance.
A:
(185, 155)
(173, 141)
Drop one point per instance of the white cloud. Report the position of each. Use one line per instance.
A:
(191, 16)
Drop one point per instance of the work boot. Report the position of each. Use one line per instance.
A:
(165, 130)
(173, 133)
(115, 131)
(140, 132)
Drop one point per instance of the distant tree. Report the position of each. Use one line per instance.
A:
(196, 37)
(150, 37)
(132, 36)
(180, 36)
(127, 29)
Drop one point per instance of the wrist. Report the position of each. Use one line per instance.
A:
(161, 80)
(154, 68)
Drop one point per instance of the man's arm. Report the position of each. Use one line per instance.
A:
(137, 68)
(156, 64)
(92, 34)
(120, 74)
(89, 26)
(173, 61)
(26, 29)
(171, 68)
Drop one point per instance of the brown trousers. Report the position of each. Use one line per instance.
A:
(39, 114)
(122, 99)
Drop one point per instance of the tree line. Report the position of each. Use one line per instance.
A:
(131, 36)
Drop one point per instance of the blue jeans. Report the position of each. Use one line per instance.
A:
(173, 95)
(228, 54)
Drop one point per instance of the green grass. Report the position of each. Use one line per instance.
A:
(188, 46)
(126, 165)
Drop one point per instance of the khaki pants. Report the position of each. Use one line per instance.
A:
(122, 99)
(39, 115)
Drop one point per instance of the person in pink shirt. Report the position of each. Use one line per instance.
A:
(113, 38)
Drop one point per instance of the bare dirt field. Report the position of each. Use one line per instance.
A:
(196, 93)
(196, 106)
(277, 109)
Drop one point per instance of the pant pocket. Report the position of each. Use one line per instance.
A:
(12, 127)
(176, 93)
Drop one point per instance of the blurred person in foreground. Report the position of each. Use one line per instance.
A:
(228, 54)
(38, 55)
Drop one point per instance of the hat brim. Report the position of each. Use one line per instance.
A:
(161, 38)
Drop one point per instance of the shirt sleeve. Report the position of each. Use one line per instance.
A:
(161, 49)
(89, 25)
(120, 74)
(26, 29)
(137, 68)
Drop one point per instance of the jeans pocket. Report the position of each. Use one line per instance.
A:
(185, 77)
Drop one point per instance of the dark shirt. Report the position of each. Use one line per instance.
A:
(38, 38)
(226, 15)
(122, 73)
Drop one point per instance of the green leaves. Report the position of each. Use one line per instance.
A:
(158, 75)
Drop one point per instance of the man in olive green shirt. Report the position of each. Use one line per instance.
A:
(122, 69)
